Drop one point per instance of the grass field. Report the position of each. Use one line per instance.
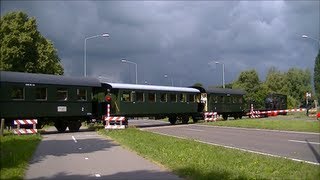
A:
(291, 122)
(194, 160)
(15, 153)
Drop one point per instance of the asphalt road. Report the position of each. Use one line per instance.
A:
(295, 146)
(87, 155)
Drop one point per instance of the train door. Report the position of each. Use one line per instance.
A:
(204, 101)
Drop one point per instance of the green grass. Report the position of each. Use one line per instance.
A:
(194, 160)
(15, 153)
(275, 123)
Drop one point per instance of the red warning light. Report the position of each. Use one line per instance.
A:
(108, 98)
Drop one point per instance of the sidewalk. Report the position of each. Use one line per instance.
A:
(87, 155)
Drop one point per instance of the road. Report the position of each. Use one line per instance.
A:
(87, 155)
(296, 146)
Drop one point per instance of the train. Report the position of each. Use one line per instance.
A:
(68, 101)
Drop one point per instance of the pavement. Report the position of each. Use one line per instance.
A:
(87, 155)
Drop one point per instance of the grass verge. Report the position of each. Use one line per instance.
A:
(194, 160)
(272, 123)
(15, 153)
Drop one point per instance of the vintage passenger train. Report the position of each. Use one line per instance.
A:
(69, 101)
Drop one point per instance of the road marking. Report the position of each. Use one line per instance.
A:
(306, 142)
(74, 139)
(97, 175)
(79, 148)
(86, 158)
(246, 150)
(193, 129)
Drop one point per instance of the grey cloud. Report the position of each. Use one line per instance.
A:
(178, 38)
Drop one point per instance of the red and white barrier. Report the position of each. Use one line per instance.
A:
(258, 114)
(210, 116)
(114, 120)
(23, 122)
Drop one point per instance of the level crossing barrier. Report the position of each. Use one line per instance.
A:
(210, 116)
(25, 122)
(115, 122)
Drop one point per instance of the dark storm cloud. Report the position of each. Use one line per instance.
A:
(180, 39)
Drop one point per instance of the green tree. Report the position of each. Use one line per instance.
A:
(298, 82)
(316, 76)
(198, 84)
(275, 81)
(256, 91)
(24, 49)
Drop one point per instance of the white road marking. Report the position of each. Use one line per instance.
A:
(86, 158)
(74, 139)
(306, 142)
(97, 175)
(79, 148)
(246, 150)
(193, 129)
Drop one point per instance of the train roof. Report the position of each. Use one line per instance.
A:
(19, 77)
(225, 91)
(150, 87)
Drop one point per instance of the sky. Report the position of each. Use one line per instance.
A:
(177, 42)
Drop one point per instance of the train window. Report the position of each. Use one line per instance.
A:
(221, 99)
(163, 97)
(62, 94)
(126, 96)
(240, 100)
(17, 93)
(173, 97)
(229, 99)
(41, 93)
(152, 97)
(183, 97)
(81, 94)
(214, 99)
(191, 97)
(139, 97)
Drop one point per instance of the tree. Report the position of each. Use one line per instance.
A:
(316, 76)
(255, 90)
(298, 82)
(198, 84)
(24, 49)
(275, 81)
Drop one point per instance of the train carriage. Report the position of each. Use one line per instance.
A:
(131, 100)
(65, 101)
(226, 102)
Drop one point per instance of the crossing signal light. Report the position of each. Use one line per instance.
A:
(108, 98)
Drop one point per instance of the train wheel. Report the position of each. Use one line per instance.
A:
(185, 119)
(194, 119)
(172, 120)
(61, 126)
(236, 116)
(225, 116)
(74, 126)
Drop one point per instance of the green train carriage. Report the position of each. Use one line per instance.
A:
(64, 101)
(131, 100)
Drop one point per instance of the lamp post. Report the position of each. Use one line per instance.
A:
(166, 76)
(85, 51)
(130, 62)
(222, 73)
(307, 37)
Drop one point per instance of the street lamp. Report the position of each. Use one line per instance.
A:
(85, 50)
(307, 37)
(166, 76)
(126, 61)
(222, 73)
